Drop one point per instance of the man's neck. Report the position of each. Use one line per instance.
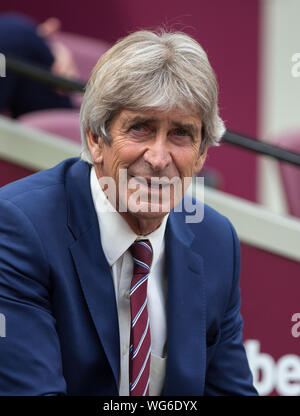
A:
(141, 226)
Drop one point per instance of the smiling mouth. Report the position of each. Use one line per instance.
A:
(152, 182)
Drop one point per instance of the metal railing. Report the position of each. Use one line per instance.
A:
(43, 75)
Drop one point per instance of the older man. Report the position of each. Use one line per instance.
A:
(106, 287)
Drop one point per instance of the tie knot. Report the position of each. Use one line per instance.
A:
(141, 251)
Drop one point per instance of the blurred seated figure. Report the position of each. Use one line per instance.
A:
(22, 38)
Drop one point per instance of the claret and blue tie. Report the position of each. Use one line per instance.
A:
(140, 338)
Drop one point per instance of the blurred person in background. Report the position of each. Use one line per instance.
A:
(22, 38)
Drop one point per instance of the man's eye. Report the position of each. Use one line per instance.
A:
(181, 132)
(138, 127)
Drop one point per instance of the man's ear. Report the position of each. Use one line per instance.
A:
(95, 144)
(200, 161)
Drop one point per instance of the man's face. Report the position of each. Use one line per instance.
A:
(150, 145)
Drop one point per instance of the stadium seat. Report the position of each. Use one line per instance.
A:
(61, 122)
(86, 51)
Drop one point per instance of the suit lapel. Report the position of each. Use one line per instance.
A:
(90, 262)
(186, 345)
(186, 297)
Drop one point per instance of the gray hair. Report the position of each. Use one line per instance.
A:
(151, 70)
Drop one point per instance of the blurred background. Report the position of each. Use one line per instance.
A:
(252, 46)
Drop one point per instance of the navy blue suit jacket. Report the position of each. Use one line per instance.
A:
(57, 296)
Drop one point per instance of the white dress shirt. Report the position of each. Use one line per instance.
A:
(116, 238)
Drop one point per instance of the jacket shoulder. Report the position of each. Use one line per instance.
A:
(26, 187)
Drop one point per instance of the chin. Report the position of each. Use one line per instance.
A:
(150, 214)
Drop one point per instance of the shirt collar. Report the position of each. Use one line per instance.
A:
(116, 234)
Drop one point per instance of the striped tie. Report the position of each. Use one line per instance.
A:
(140, 339)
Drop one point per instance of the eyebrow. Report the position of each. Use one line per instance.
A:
(137, 119)
(140, 119)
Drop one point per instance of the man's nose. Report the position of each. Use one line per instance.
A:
(158, 154)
